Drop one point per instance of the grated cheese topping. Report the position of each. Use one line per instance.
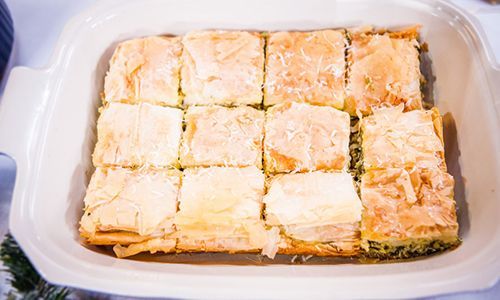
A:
(401, 205)
(222, 67)
(137, 135)
(218, 201)
(383, 71)
(304, 200)
(395, 139)
(223, 202)
(145, 70)
(303, 137)
(305, 67)
(140, 201)
(222, 136)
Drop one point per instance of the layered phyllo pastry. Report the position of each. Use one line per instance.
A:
(145, 70)
(300, 137)
(131, 209)
(222, 67)
(305, 67)
(309, 143)
(137, 135)
(220, 210)
(317, 213)
(392, 138)
(407, 213)
(222, 136)
(384, 70)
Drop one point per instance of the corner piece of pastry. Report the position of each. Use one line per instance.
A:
(220, 211)
(136, 135)
(407, 214)
(145, 70)
(305, 67)
(222, 67)
(302, 137)
(131, 209)
(392, 138)
(222, 136)
(318, 213)
(384, 70)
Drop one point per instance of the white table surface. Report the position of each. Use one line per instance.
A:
(37, 25)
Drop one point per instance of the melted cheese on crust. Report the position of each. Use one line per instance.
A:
(305, 200)
(399, 205)
(137, 135)
(145, 70)
(384, 71)
(305, 67)
(221, 136)
(303, 137)
(225, 203)
(393, 139)
(222, 67)
(142, 201)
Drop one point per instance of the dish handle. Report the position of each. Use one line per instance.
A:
(21, 110)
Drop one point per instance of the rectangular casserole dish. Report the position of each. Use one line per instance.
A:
(47, 125)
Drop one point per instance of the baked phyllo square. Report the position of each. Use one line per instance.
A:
(305, 67)
(302, 137)
(407, 214)
(392, 138)
(222, 67)
(384, 70)
(222, 136)
(220, 210)
(131, 209)
(145, 70)
(137, 135)
(317, 213)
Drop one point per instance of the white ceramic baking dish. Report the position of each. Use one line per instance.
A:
(47, 124)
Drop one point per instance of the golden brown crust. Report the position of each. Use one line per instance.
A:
(143, 201)
(222, 67)
(401, 205)
(404, 204)
(305, 67)
(145, 70)
(222, 136)
(396, 139)
(410, 32)
(275, 162)
(220, 209)
(113, 238)
(384, 70)
(317, 213)
(152, 245)
(137, 135)
(313, 206)
(303, 137)
(131, 209)
(438, 123)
